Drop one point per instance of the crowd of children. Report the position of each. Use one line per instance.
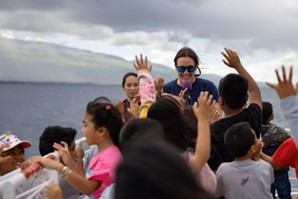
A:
(173, 142)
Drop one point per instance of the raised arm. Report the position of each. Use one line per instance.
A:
(287, 92)
(79, 182)
(146, 85)
(203, 113)
(233, 61)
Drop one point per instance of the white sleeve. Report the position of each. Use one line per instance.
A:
(289, 107)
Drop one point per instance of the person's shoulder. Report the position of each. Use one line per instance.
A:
(120, 102)
(171, 83)
(223, 168)
(202, 81)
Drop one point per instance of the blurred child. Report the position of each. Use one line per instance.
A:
(272, 137)
(244, 177)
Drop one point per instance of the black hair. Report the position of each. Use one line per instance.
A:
(170, 116)
(102, 99)
(267, 112)
(106, 115)
(140, 129)
(151, 170)
(190, 123)
(239, 138)
(233, 89)
(55, 134)
(126, 76)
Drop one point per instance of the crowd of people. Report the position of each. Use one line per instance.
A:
(183, 139)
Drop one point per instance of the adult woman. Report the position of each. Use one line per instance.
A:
(186, 64)
(130, 86)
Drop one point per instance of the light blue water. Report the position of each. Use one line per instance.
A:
(26, 109)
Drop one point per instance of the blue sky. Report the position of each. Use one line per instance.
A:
(263, 32)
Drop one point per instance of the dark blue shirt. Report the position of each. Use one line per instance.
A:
(198, 86)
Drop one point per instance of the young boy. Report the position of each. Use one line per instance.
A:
(233, 96)
(244, 177)
(273, 136)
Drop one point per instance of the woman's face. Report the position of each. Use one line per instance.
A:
(131, 87)
(186, 76)
(17, 157)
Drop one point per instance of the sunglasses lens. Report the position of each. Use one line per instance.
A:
(191, 69)
(180, 69)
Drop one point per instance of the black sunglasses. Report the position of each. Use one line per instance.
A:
(189, 69)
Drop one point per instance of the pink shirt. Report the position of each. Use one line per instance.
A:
(102, 168)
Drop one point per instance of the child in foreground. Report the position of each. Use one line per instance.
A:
(244, 177)
(102, 124)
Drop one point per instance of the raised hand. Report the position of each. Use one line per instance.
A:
(142, 63)
(284, 86)
(206, 108)
(159, 82)
(134, 109)
(231, 58)
(64, 153)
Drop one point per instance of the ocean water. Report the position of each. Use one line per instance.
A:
(27, 108)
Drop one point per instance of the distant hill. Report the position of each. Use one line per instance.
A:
(27, 61)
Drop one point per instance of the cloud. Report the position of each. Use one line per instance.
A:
(269, 24)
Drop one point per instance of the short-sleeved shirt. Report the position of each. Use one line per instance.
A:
(197, 87)
(244, 179)
(252, 115)
(102, 168)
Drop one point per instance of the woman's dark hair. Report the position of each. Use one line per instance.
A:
(55, 134)
(187, 52)
(239, 138)
(106, 115)
(169, 115)
(151, 170)
(128, 75)
(267, 112)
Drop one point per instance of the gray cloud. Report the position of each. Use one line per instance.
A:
(264, 24)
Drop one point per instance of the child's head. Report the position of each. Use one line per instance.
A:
(267, 113)
(102, 121)
(239, 139)
(15, 150)
(233, 91)
(167, 112)
(148, 129)
(151, 170)
(56, 134)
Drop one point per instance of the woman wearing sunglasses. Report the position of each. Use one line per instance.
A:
(187, 67)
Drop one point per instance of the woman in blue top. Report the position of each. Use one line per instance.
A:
(187, 64)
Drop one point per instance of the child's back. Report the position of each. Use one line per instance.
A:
(244, 179)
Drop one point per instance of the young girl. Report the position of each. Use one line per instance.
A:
(102, 124)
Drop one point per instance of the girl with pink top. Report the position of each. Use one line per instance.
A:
(102, 124)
